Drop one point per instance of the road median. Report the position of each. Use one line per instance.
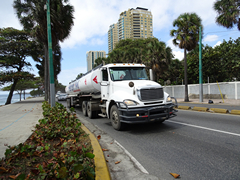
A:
(204, 109)
(219, 110)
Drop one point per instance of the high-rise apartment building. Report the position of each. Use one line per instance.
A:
(112, 37)
(92, 56)
(133, 24)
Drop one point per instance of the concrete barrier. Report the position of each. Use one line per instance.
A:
(184, 107)
(237, 112)
(218, 110)
(200, 109)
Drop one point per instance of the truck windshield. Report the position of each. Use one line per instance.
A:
(128, 73)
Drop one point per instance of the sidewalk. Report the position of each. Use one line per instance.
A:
(17, 122)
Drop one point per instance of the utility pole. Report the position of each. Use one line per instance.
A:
(50, 57)
(200, 66)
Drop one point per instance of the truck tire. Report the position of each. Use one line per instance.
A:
(91, 114)
(84, 108)
(115, 118)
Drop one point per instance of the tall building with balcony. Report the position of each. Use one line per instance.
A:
(112, 37)
(132, 24)
(92, 56)
(135, 23)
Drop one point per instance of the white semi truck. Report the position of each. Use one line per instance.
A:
(121, 92)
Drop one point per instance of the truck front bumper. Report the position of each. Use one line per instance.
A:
(146, 114)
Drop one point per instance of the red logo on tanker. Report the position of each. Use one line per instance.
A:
(95, 79)
(85, 82)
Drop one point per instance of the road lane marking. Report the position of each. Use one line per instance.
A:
(133, 158)
(200, 127)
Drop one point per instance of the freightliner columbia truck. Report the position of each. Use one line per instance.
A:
(121, 92)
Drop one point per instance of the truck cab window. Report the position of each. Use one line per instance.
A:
(104, 75)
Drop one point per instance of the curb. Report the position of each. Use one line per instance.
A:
(218, 110)
(200, 109)
(213, 110)
(236, 112)
(101, 168)
(184, 107)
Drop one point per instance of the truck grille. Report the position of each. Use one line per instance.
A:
(151, 94)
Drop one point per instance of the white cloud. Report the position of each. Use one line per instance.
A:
(93, 17)
(217, 44)
(68, 75)
(8, 17)
(178, 55)
(210, 38)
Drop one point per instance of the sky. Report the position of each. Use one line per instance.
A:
(92, 19)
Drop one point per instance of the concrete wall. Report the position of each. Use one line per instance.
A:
(231, 90)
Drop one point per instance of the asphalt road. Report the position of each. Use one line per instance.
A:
(196, 145)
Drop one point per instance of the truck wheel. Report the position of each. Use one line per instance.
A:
(115, 119)
(91, 114)
(84, 108)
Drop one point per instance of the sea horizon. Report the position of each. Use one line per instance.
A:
(15, 98)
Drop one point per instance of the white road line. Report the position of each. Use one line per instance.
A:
(200, 127)
(133, 158)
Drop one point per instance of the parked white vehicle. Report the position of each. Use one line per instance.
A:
(122, 93)
(62, 97)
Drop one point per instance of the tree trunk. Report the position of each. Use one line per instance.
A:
(186, 99)
(20, 94)
(46, 74)
(24, 94)
(9, 99)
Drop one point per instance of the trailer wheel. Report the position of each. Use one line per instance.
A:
(84, 108)
(91, 114)
(115, 118)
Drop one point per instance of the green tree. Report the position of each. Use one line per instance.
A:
(59, 87)
(159, 57)
(33, 18)
(228, 13)
(151, 52)
(186, 37)
(40, 59)
(15, 47)
(220, 63)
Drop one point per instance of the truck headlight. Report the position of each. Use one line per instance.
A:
(169, 99)
(130, 102)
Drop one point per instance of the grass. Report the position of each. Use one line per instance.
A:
(57, 149)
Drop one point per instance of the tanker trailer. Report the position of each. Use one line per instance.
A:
(123, 93)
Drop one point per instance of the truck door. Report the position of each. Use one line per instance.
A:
(105, 85)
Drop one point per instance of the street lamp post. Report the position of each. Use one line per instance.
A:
(50, 57)
(200, 66)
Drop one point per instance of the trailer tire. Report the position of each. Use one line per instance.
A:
(115, 118)
(84, 108)
(91, 114)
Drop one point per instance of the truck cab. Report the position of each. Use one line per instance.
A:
(130, 97)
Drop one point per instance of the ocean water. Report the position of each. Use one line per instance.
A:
(15, 98)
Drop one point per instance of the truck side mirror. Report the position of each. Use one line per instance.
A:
(151, 74)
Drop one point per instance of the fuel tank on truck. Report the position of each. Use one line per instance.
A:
(89, 83)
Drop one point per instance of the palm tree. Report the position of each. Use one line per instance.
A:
(34, 19)
(159, 57)
(228, 13)
(186, 37)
